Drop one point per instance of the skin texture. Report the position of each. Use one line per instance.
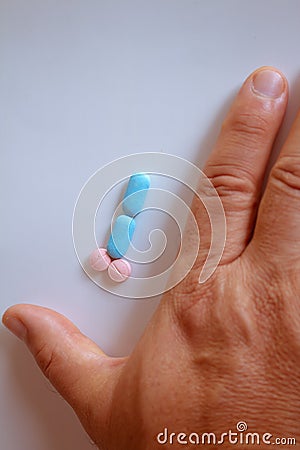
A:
(213, 354)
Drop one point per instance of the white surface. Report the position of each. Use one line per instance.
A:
(81, 83)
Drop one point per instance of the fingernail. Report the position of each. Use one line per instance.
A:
(16, 327)
(268, 83)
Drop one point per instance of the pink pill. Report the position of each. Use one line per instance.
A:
(100, 260)
(119, 270)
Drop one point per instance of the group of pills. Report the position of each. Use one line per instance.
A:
(112, 257)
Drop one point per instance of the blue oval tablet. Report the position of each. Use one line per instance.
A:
(135, 195)
(121, 236)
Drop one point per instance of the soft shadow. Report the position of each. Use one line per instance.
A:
(137, 318)
(57, 425)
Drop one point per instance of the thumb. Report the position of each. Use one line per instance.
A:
(73, 363)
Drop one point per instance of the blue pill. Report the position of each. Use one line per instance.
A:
(135, 195)
(121, 236)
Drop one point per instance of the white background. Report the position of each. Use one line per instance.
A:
(81, 83)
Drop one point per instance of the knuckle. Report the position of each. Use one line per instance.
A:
(235, 183)
(285, 175)
(230, 183)
(207, 317)
(247, 126)
(45, 358)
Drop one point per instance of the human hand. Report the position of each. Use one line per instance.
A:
(213, 354)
